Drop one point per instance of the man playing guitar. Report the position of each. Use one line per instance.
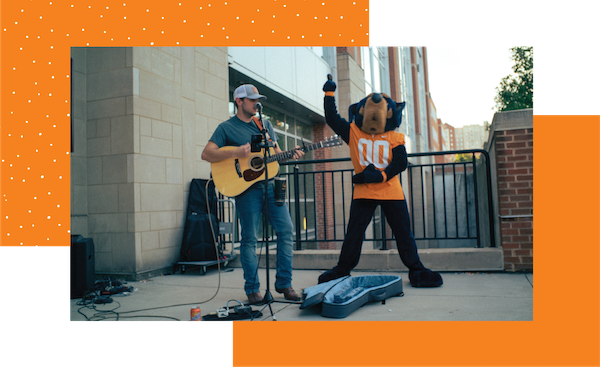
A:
(238, 132)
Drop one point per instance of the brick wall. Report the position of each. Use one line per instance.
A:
(323, 190)
(514, 157)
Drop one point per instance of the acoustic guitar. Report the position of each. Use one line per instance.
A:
(233, 176)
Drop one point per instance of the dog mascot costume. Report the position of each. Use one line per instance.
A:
(378, 155)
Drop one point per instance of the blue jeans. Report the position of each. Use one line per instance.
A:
(249, 206)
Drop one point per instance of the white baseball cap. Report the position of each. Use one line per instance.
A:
(247, 91)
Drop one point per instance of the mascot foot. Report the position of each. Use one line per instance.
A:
(425, 278)
(330, 275)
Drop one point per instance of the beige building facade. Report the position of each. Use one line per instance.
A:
(141, 118)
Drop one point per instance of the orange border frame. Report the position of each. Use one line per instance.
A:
(566, 324)
(35, 99)
(36, 42)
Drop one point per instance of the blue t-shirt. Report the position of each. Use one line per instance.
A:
(235, 132)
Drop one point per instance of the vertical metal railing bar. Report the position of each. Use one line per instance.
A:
(297, 207)
(382, 228)
(455, 200)
(333, 201)
(476, 202)
(433, 196)
(343, 204)
(445, 209)
(325, 215)
(315, 208)
(384, 245)
(489, 195)
(314, 205)
(324, 189)
(305, 219)
(423, 203)
(466, 198)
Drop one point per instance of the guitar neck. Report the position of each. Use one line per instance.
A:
(290, 153)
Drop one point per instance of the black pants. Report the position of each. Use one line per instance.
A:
(396, 214)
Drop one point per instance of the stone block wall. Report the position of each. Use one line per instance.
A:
(143, 116)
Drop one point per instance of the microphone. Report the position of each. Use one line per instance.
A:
(258, 106)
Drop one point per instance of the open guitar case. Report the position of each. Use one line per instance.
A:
(340, 297)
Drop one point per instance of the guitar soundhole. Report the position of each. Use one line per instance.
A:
(256, 163)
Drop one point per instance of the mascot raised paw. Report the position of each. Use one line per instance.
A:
(378, 155)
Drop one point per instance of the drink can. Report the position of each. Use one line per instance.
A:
(195, 314)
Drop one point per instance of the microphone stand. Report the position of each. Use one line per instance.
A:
(268, 298)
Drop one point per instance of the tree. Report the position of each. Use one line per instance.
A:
(466, 157)
(463, 157)
(516, 91)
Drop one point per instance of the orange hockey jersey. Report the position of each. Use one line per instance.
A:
(375, 149)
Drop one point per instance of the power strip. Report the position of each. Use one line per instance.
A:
(222, 312)
(225, 312)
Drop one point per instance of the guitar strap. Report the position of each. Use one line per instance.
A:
(260, 126)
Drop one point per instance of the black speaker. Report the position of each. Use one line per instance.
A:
(83, 269)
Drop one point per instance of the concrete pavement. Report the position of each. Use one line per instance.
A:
(464, 296)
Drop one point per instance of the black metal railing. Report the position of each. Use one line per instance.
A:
(468, 196)
(449, 202)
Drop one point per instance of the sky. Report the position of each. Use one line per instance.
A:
(463, 81)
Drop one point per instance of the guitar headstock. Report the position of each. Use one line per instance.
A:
(333, 141)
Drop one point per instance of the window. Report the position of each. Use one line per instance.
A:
(422, 102)
(408, 123)
(365, 53)
(317, 50)
(374, 61)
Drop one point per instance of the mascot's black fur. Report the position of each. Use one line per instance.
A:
(378, 155)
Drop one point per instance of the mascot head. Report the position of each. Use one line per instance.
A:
(376, 113)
